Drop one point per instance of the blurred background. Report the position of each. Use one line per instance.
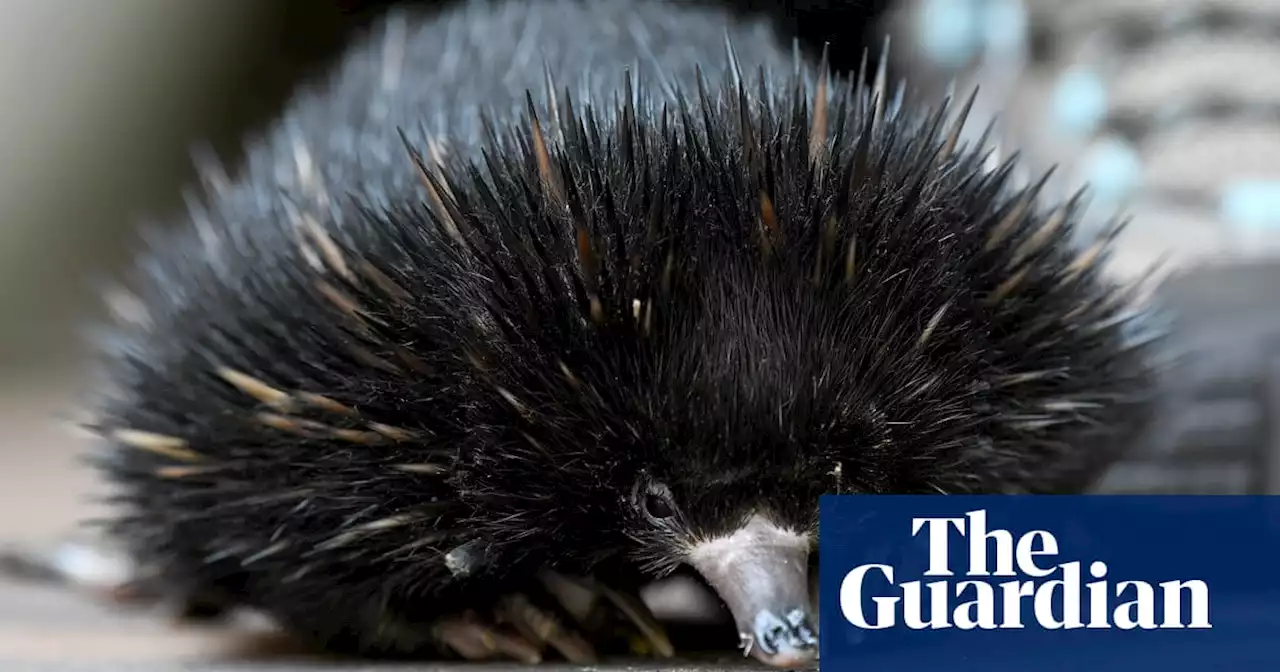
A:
(1169, 109)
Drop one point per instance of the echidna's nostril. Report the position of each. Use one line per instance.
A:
(802, 627)
(786, 636)
(770, 632)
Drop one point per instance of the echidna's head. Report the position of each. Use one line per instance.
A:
(744, 415)
(704, 443)
(708, 450)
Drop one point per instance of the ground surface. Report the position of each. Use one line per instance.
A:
(44, 628)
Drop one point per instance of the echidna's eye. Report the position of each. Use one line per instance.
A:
(657, 502)
(657, 507)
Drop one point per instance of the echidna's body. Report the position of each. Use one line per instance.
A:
(372, 388)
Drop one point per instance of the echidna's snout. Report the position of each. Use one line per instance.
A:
(761, 572)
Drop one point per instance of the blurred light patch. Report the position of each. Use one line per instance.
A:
(952, 32)
(1004, 27)
(1252, 205)
(1113, 170)
(1079, 101)
(949, 30)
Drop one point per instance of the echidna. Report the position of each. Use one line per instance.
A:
(537, 291)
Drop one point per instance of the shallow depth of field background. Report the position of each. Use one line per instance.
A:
(102, 100)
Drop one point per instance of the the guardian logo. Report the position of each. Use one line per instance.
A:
(1009, 579)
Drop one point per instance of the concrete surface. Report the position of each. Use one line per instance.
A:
(50, 629)
(47, 628)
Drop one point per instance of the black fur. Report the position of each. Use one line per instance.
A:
(492, 332)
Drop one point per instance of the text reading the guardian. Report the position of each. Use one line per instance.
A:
(1038, 583)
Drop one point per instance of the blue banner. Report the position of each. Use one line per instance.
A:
(1049, 583)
